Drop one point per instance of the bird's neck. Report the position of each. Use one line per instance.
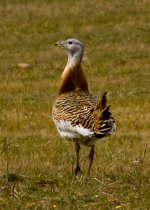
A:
(73, 77)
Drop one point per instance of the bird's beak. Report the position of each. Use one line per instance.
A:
(60, 43)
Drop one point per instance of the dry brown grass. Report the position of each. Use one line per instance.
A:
(35, 164)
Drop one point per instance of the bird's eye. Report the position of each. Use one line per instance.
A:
(69, 42)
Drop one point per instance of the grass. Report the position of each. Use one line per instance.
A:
(36, 166)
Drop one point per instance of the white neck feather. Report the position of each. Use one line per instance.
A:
(73, 77)
(73, 62)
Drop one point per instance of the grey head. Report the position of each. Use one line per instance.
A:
(73, 46)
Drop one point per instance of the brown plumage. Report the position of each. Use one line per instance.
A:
(78, 115)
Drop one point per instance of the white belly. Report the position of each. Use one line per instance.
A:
(66, 130)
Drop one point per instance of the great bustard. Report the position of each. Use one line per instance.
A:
(78, 115)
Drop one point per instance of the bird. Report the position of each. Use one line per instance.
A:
(78, 115)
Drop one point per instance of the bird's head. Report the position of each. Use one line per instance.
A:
(73, 46)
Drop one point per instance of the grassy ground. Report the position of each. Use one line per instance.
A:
(36, 166)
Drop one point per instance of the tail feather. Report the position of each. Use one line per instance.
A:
(101, 103)
(103, 120)
(105, 114)
(103, 100)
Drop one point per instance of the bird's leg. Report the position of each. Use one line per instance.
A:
(91, 156)
(77, 169)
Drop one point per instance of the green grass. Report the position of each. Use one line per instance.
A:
(36, 165)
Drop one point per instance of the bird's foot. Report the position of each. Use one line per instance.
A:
(77, 170)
